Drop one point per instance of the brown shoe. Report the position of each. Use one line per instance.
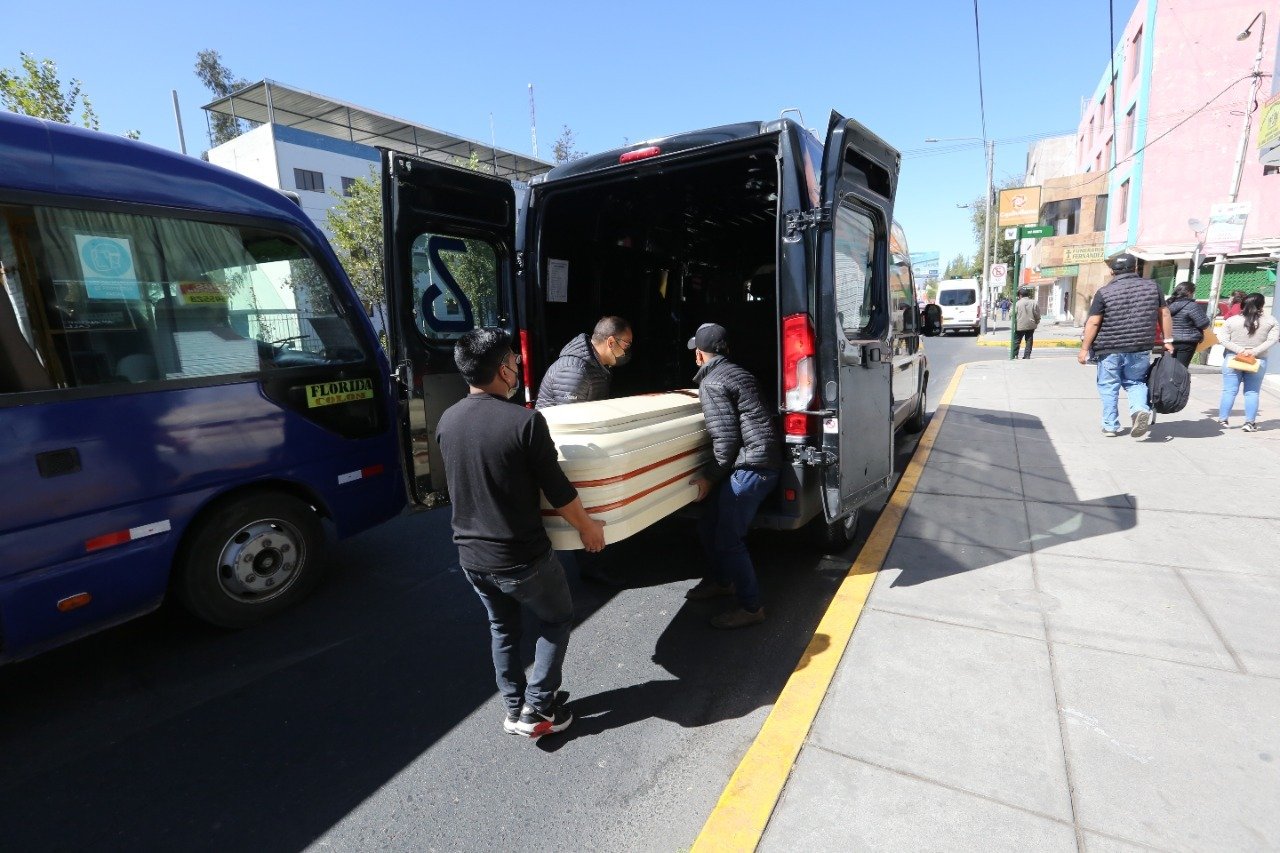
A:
(738, 618)
(708, 589)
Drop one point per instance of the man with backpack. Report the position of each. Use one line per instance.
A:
(1119, 334)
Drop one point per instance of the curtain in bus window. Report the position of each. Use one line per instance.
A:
(21, 366)
(854, 253)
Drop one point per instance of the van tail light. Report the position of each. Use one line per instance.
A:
(799, 374)
(527, 368)
(640, 154)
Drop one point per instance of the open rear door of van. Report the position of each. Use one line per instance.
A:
(448, 260)
(859, 178)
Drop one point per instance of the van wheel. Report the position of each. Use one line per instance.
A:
(836, 535)
(915, 423)
(248, 559)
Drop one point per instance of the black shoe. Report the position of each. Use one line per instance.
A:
(535, 724)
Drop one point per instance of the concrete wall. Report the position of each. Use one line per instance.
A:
(252, 154)
(1196, 56)
(1051, 158)
(1049, 251)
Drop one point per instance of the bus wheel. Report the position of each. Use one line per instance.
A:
(249, 559)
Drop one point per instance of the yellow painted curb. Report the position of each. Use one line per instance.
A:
(1064, 343)
(740, 816)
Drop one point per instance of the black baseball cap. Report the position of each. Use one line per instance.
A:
(1123, 262)
(710, 337)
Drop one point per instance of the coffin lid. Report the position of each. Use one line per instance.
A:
(622, 413)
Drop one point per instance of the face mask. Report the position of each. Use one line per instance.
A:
(620, 360)
(515, 387)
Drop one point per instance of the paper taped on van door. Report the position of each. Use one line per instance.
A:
(631, 460)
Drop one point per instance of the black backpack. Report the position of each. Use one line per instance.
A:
(1168, 385)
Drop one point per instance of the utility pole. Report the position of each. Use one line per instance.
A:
(1237, 171)
(177, 117)
(533, 122)
(988, 244)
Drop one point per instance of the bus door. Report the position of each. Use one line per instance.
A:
(449, 258)
(859, 177)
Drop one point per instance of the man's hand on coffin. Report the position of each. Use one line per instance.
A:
(704, 487)
(590, 530)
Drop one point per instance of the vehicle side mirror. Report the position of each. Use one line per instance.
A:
(931, 321)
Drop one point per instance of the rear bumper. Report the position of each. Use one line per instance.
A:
(796, 500)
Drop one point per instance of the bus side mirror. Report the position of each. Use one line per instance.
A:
(931, 321)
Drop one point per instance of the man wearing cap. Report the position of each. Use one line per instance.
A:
(744, 469)
(1120, 332)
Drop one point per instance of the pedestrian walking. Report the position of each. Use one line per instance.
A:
(1027, 317)
(1119, 335)
(1247, 336)
(1189, 322)
(744, 469)
(584, 370)
(499, 459)
(1004, 308)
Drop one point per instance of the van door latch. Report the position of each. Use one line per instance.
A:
(814, 457)
(799, 220)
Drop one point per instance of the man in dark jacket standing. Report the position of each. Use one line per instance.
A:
(582, 372)
(498, 458)
(1120, 332)
(745, 466)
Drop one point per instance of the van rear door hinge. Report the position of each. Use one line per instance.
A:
(798, 220)
(812, 456)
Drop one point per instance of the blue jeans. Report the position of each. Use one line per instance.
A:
(541, 587)
(730, 508)
(1231, 382)
(1126, 370)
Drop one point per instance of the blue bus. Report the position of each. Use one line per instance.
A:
(192, 398)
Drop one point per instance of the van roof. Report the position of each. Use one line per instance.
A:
(669, 145)
(957, 283)
(48, 157)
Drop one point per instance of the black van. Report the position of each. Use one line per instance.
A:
(788, 243)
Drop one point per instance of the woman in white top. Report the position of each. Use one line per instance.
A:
(1253, 333)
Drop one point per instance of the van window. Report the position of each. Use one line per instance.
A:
(854, 267)
(107, 298)
(902, 292)
(455, 285)
(953, 298)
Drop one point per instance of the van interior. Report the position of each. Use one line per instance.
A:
(669, 249)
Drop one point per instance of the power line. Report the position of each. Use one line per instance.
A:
(982, 99)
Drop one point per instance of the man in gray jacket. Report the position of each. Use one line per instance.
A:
(1027, 318)
(583, 371)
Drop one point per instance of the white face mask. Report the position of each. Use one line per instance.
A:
(511, 392)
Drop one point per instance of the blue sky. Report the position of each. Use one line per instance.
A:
(615, 72)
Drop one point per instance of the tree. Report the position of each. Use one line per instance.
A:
(961, 267)
(219, 80)
(978, 218)
(356, 224)
(565, 148)
(36, 91)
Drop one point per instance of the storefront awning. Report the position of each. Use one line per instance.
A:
(1260, 249)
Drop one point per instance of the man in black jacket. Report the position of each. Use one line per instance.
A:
(498, 457)
(745, 466)
(582, 372)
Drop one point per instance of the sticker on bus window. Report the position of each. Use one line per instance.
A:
(107, 266)
(344, 391)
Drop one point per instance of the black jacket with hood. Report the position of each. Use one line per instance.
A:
(577, 376)
(1189, 321)
(743, 432)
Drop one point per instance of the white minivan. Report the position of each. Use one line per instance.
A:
(961, 306)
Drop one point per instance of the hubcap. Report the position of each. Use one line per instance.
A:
(260, 560)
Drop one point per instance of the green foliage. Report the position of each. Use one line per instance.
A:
(36, 91)
(219, 80)
(356, 225)
(961, 267)
(565, 148)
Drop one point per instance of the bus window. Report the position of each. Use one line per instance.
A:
(455, 285)
(125, 298)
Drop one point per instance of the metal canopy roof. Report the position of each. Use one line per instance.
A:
(268, 101)
(1260, 248)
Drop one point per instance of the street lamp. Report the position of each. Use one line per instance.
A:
(1220, 262)
(986, 236)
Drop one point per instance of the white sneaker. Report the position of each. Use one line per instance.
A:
(1141, 424)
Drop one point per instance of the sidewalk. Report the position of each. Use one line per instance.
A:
(1074, 641)
(1048, 335)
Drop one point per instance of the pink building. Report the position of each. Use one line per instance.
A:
(1169, 129)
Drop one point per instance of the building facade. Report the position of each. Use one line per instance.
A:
(1164, 125)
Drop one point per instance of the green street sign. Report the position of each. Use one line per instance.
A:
(1059, 272)
(1029, 231)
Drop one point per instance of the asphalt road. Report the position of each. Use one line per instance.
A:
(367, 717)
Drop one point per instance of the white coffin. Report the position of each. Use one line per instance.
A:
(631, 460)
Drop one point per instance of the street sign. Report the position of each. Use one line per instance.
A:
(1011, 233)
(1226, 228)
(998, 274)
(1032, 231)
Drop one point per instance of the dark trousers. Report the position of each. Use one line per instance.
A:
(542, 588)
(1029, 336)
(730, 508)
(1184, 350)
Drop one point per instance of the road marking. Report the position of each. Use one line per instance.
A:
(739, 819)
